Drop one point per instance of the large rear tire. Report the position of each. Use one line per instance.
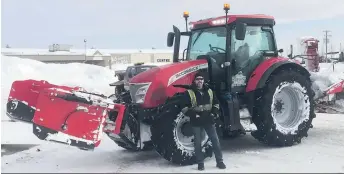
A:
(284, 109)
(172, 137)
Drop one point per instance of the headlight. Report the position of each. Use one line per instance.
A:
(138, 91)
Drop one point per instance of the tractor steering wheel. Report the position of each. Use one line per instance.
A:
(216, 49)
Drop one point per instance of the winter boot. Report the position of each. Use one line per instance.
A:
(220, 165)
(200, 166)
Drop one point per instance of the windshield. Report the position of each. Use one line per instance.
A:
(256, 40)
(207, 40)
(213, 40)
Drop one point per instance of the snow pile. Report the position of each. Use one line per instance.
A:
(327, 76)
(91, 77)
(124, 66)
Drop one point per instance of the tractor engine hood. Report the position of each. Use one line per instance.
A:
(152, 87)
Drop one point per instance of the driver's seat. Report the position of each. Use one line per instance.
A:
(242, 55)
(219, 58)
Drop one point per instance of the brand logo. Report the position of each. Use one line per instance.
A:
(185, 72)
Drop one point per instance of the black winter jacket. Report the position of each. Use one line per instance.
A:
(201, 118)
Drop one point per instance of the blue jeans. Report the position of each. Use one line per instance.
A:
(211, 131)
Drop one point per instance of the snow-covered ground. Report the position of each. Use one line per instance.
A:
(321, 151)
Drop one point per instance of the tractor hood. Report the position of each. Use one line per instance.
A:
(152, 87)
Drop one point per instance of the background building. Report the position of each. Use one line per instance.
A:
(61, 53)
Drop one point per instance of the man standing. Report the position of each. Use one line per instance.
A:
(203, 111)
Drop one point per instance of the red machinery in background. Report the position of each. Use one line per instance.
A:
(309, 46)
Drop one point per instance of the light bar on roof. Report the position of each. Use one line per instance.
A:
(218, 22)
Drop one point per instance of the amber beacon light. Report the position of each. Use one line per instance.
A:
(186, 14)
(226, 7)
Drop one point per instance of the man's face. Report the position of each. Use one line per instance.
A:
(199, 82)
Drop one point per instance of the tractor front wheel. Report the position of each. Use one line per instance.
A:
(284, 109)
(172, 137)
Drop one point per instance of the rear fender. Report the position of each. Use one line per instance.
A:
(262, 73)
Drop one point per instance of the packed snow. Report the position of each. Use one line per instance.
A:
(328, 74)
(321, 151)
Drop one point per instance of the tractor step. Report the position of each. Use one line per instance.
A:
(231, 107)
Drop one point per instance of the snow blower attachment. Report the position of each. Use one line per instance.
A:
(59, 113)
(277, 93)
(23, 98)
(326, 100)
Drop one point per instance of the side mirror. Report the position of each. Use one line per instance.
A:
(170, 39)
(280, 50)
(240, 31)
(290, 55)
(269, 53)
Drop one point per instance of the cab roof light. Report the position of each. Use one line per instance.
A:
(218, 22)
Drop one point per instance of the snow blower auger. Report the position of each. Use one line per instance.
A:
(239, 58)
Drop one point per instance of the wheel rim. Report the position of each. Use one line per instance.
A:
(183, 141)
(290, 107)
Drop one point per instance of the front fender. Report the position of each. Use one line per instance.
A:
(261, 74)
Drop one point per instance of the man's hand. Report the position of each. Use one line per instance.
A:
(215, 116)
(219, 123)
(217, 120)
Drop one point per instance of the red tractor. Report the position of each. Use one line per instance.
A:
(240, 57)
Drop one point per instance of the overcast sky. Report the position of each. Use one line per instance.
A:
(130, 24)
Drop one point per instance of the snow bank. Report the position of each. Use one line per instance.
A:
(91, 77)
(124, 66)
(327, 76)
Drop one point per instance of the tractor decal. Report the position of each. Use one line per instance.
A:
(185, 72)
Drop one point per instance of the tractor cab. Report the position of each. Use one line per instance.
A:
(233, 48)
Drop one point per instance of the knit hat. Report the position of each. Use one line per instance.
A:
(198, 74)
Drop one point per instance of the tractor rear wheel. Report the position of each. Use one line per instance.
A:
(172, 137)
(284, 109)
